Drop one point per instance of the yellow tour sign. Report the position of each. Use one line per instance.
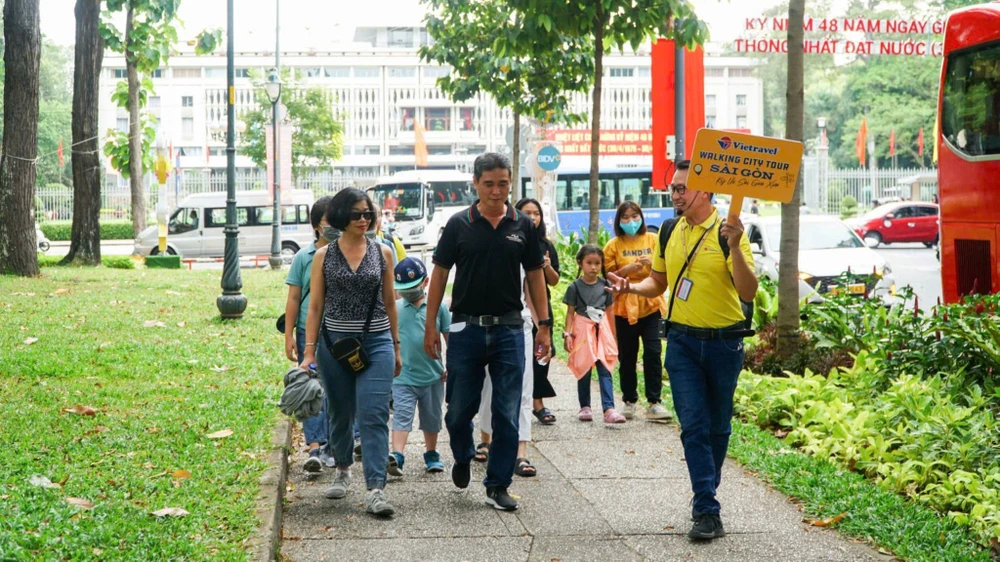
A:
(744, 166)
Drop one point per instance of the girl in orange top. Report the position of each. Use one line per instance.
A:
(630, 254)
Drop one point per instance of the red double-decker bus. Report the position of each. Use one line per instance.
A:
(969, 153)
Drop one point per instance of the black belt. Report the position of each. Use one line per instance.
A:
(734, 332)
(485, 321)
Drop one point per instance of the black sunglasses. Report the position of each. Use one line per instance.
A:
(367, 215)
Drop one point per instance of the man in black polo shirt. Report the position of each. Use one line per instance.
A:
(489, 243)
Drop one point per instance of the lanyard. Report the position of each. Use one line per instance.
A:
(698, 246)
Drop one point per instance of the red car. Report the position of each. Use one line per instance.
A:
(904, 221)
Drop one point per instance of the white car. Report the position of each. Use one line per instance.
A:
(828, 248)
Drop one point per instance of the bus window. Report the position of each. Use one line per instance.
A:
(217, 217)
(183, 220)
(454, 193)
(970, 119)
(564, 198)
(262, 215)
(580, 194)
(401, 199)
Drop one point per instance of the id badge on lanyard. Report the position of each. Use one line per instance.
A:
(684, 288)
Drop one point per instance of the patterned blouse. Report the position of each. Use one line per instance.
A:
(349, 293)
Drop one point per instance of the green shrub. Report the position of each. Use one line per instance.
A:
(112, 262)
(928, 438)
(110, 230)
(848, 207)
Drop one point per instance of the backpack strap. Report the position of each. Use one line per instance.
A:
(666, 229)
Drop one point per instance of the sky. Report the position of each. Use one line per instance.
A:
(308, 23)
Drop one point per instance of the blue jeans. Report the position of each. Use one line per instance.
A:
(607, 388)
(703, 377)
(316, 427)
(471, 350)
(365, 395)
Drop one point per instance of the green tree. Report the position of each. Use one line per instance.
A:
(317, 135)
(523, 64)
(612, 24)
(149, 34)
(22, 55)
(788, 275)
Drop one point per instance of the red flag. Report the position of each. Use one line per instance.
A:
(171, 151)
(920, 142)
(892, 143)
(859, 143)
(59, 151)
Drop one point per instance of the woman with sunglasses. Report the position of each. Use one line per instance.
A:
(347, 276)
(630, 254)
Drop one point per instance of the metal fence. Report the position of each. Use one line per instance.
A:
(831, 190)
(55, 202)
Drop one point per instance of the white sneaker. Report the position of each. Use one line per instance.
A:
(659, 413)
(338, 490)
(376, 504)
(628, 410)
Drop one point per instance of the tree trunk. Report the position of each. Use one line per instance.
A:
(134, 133)
(85, 241)
(788, 274)
(22, 60)
(595, 130)
(516, 160)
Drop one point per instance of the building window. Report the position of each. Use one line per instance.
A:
(401, 150)
(408, 116)
(215, 73)
(122, 124)
(187, 101)
(622, 72)
(467, 119)
(741, 100)
(191, 151)
(741, 122)
(645, 71)
(158, 73)
(117, 73)
(367, 72)
(338, 71)
(368, 150)
(153, 104)
(740, 72)
(710, 100)
(715, 72)
(402, 72)
(436, 71)
(187, 73)
(437, 119)
(401, 37)
(242, 72)
(187, 127)
(710, 121)
(314, 72)
(439, 149)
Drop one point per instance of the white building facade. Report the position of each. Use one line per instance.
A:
(379, 88)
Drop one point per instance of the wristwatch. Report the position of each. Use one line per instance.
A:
(546, 322)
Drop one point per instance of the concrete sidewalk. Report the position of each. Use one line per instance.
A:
(602, 493)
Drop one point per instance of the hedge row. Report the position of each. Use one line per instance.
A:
(110, 230)
(112, 262)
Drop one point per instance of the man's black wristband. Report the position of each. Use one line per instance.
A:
(546, 322)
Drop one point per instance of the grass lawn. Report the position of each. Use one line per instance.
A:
(147, 351)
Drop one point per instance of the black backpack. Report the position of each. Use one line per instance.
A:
(667, 228)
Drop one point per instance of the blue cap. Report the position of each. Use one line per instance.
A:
(409, 273)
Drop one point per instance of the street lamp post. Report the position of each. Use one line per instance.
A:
(231, 302)
(822, 151)
(274, 92)
(273, 88)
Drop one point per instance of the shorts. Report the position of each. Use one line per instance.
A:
(406, 398)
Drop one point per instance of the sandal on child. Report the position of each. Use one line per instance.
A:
(482, 452)
(524, 468)
(545, 416)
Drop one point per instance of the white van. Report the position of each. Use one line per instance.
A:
(420, 202)
(196, 227)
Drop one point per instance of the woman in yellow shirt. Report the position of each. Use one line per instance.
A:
(630, 254)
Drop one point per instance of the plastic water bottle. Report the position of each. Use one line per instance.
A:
(544, 360)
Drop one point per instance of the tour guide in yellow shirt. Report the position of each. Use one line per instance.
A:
(704, 350)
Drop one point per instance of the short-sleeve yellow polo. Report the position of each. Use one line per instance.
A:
(713, 301)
